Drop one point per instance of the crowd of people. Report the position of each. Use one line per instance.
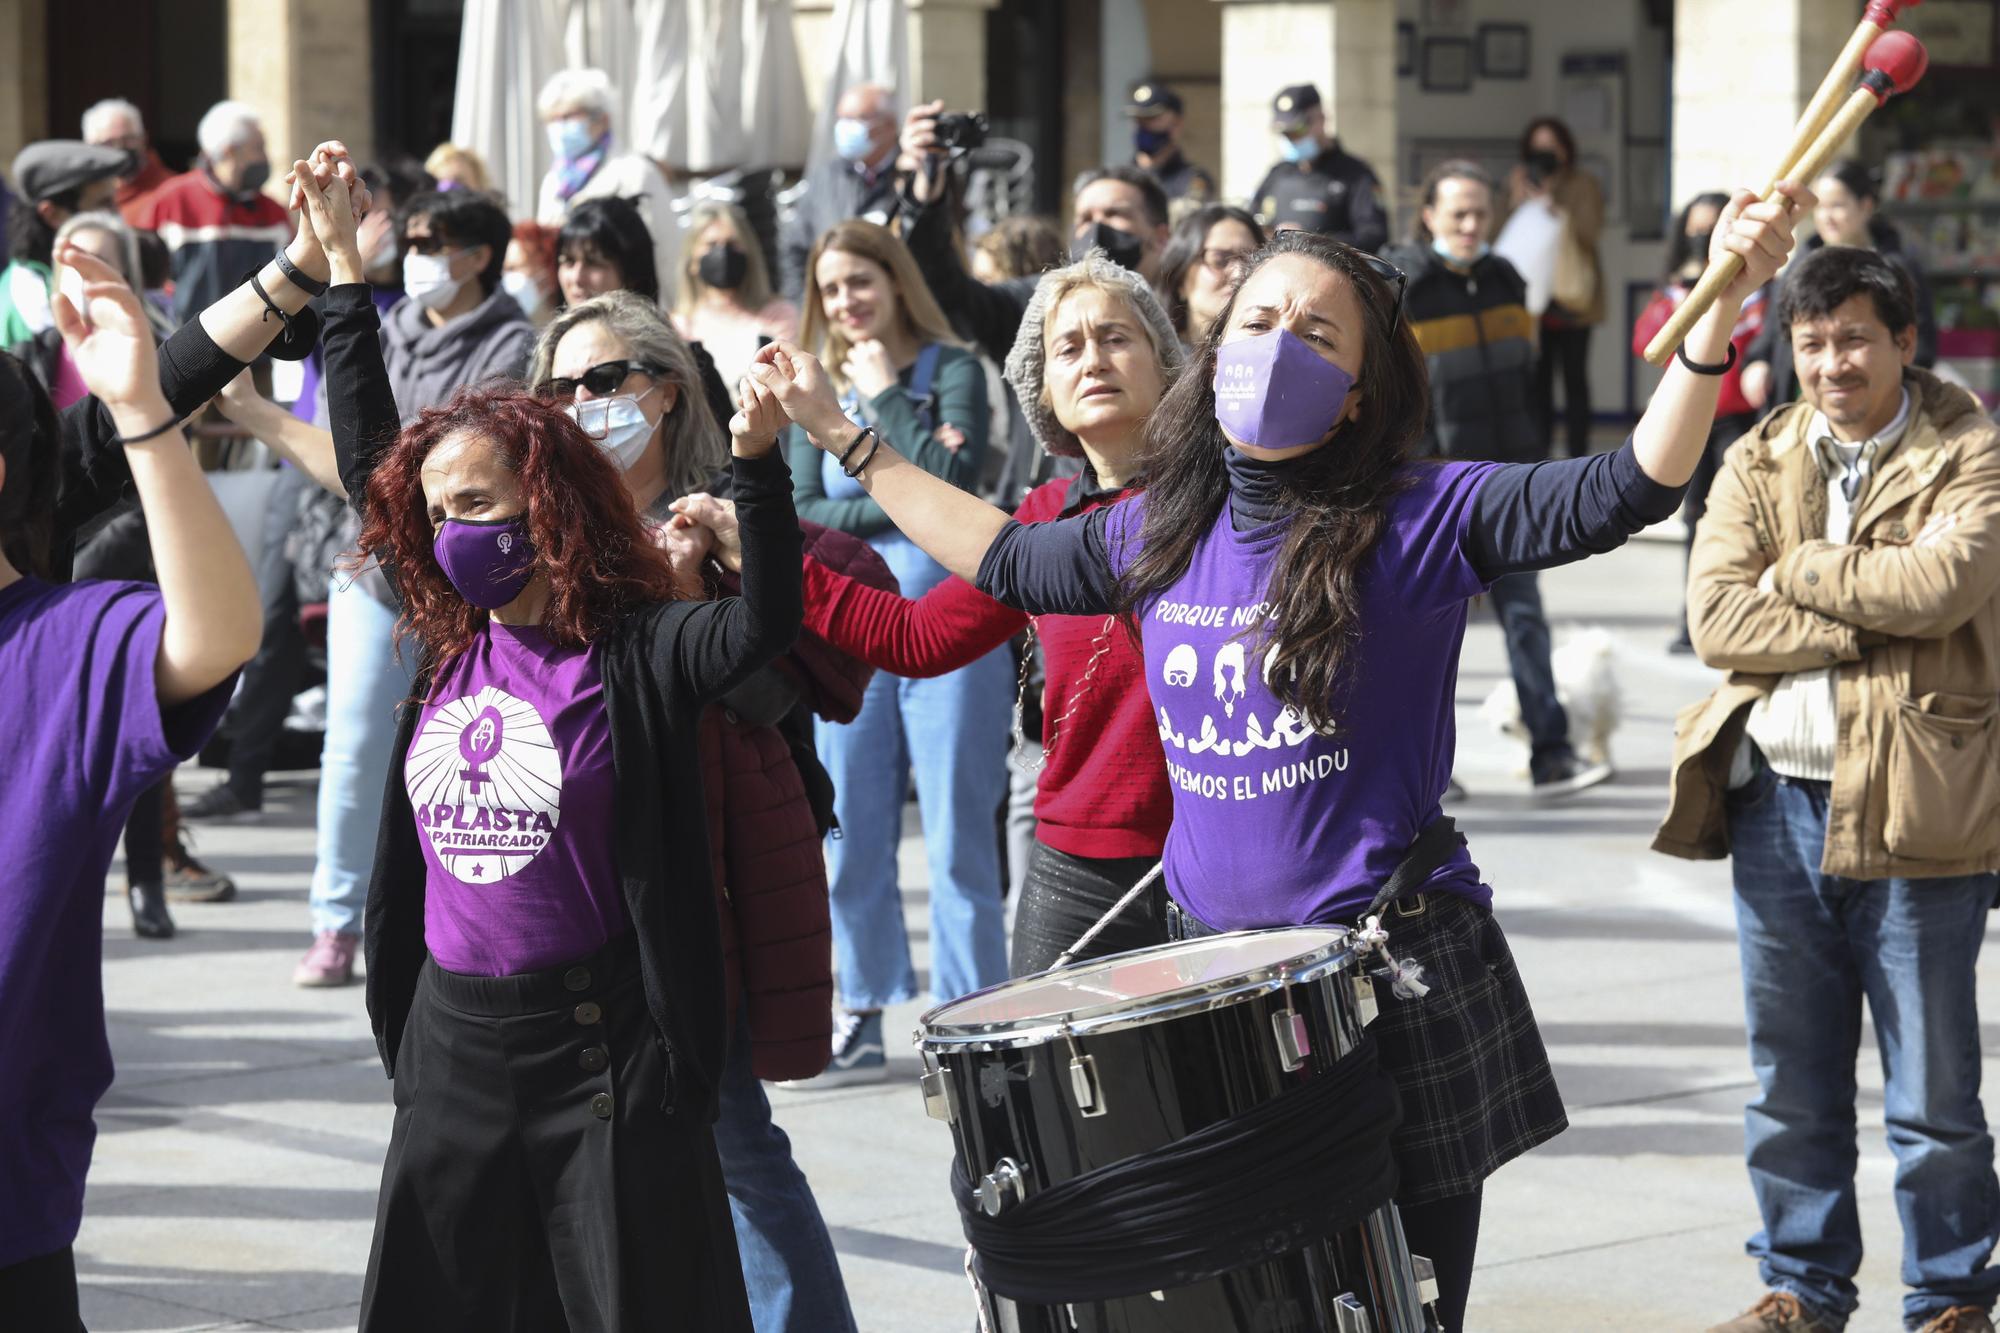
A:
(627, 500)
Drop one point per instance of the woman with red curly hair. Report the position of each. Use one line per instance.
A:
(544, 971)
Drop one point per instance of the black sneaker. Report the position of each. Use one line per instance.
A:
(221, 805)
(858, 1055)
(149, 912)
(1567, 776)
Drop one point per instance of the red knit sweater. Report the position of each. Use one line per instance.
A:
(1103, 791)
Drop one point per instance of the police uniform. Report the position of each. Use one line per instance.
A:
(1333, 193)
(1180, 178)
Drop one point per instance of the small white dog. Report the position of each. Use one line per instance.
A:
(1587, 687)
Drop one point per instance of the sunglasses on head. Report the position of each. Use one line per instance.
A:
(1390, 274)
(601, 379)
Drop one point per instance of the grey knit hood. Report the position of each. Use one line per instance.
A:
(1024, 363)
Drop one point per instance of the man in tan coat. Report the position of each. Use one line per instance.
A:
(1847, 576)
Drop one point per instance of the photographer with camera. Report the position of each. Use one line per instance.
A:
(858, 182)
(1120, 210)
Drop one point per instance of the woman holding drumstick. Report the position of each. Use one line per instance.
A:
(1299, 590)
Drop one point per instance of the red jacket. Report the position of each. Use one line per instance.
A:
(1103, 792)
(1748, 324)
(770, 873)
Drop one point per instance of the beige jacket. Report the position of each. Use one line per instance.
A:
(1909, 615)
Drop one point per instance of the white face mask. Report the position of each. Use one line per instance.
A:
(527, 293)
(427, 280)
(618, 425)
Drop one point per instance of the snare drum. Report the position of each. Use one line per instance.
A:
(1048, 1077)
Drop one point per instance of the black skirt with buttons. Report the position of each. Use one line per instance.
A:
(536, 1176)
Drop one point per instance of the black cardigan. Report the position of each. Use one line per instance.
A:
(661, 666)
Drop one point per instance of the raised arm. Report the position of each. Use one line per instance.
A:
(1671, 437)
(213, 618)
(1735, 624)
(1925, 588)
(715, 646)
(1538, 515)
(305, 446)
(952, 525)
(990, 312)
(855, 515)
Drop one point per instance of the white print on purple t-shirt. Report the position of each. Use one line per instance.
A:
(486, 781)
(1225, 685)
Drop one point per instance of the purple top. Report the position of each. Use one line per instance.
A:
(92, 741)
(510, 778)
(1275, 824)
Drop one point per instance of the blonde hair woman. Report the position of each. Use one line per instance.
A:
(726, 303)
(902, 377)
(454, 164)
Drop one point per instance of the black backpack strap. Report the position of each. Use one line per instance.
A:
(1434, 845)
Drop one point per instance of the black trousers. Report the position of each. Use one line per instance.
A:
(1725, 431)
(39, 1295)
(1064, 895)
(535, 1181)
(1565, 348)
(271, 678)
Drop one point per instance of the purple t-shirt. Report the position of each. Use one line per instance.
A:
(1274, 823)
(84, 737)
(510, 778)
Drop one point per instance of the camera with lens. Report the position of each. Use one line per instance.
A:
(961, 129)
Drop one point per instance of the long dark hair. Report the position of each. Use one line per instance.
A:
(1183, 252)
(1337, 499)
(613, 230)
(1678, 251)
(30, 448)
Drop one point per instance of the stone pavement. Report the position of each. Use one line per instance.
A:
(235, 1177)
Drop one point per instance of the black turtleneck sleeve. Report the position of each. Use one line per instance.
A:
(1052, 569)
(1538, 515)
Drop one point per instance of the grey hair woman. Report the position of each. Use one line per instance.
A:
(631, 382)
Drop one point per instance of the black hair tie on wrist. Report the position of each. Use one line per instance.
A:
(171, 423)
(861, 466)
(1718, 368)
(301, 331)
(852, 445)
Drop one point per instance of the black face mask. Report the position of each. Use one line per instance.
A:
(1120, 247)
(254, 176)
(1542, 165)
(723, 267)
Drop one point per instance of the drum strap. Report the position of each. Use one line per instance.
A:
(1307, 1164)
(1435, 843)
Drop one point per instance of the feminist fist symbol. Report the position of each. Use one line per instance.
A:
(479, 743)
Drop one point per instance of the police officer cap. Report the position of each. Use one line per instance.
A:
(1291, 106)
(1151, 98)
(56, 166)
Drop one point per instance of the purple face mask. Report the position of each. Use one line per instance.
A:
(489, 563)
(1275, 392)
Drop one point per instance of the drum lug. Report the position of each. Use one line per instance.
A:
(1083, 1084)
(1002, 1186)
(1364, 998)
(1350, 1316)
(939, 1103)
(1425, 1273)
(1294, 1042)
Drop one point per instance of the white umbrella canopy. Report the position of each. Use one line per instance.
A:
(703, 85)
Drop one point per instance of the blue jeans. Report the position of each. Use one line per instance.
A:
(952, 731)
(364, 683)
(1517, 600)
(1814, 946)
(788, 1260)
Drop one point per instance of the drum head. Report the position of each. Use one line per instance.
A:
(1144, 986)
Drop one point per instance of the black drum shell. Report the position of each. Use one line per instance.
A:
(1159, 1083)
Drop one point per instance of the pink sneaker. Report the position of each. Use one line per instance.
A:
(330, 961)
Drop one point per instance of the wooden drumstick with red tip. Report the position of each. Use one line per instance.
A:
(1879, 17)
(1894, 64)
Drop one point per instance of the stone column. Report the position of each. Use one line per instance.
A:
(24, 94)
(1742, 75)
(1347, 49)
(307, 68)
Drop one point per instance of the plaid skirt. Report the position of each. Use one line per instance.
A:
(1467, 1058)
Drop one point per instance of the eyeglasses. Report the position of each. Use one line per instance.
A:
(601, 379)
(1219, 260)
(430, 245)
(1390, 274)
